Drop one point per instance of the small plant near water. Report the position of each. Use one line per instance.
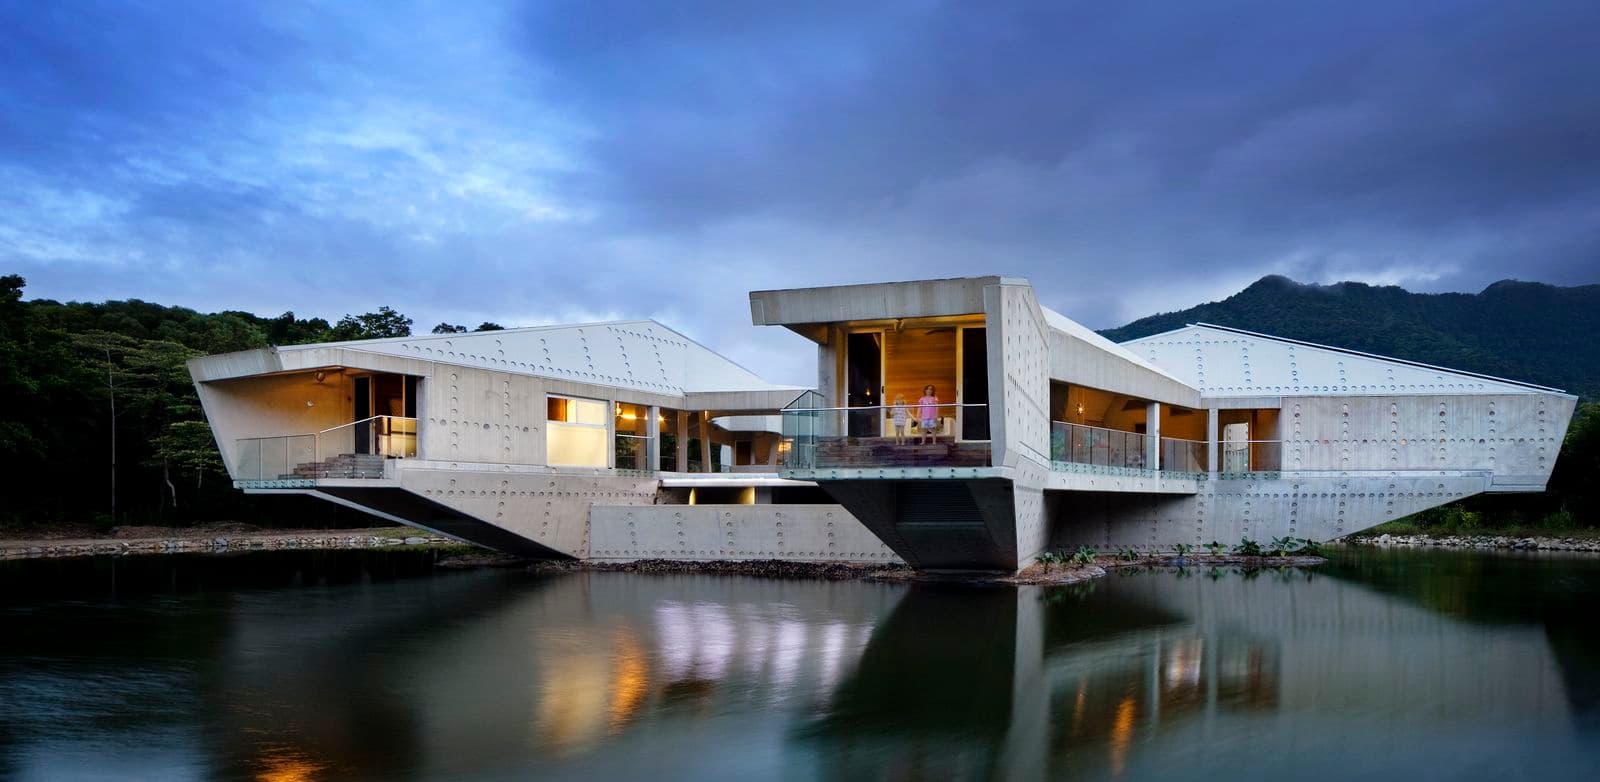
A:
(1182, 550)
(1084, 556)
(1049, 559)
(1216, 548)
(1283, 547)
(1247, 548)
(1128, 554)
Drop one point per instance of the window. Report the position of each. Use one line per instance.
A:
(576, 436)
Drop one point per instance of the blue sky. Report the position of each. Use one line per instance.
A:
(540, 162)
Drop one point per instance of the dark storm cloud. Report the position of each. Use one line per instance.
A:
(546, 161)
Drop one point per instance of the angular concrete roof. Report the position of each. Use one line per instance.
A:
(637, 354)
(1073, 328)
(1225, 361)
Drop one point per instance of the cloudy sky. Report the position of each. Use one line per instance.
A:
(536, 162)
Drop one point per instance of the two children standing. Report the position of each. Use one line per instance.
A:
(927, 416)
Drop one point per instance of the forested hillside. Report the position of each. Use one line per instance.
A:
(1517, 330)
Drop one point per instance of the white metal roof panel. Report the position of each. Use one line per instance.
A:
(638, 354)
(1225, 361)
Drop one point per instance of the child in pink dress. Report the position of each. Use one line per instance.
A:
(928, 414)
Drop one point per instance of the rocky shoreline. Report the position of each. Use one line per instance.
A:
(1477, 542)
(1034, 575)
(220, 544)
(764, 568)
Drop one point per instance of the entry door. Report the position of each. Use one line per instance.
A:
(863, 387)
(973, 349)
(1236, 448)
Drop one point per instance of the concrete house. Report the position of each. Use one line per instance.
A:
(627, 440)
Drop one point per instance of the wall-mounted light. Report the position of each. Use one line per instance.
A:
(1080, 408)
(319, 375)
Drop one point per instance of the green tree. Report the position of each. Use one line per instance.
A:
(449, 328)
(147, 379)
(489, 326)
(372, 325)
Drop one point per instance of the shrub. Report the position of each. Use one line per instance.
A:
(1084, 556)
(1248, 548)
(1560, 521)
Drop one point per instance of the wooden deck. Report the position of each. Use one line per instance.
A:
(884, 452)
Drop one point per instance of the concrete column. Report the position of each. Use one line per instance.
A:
(1211, 440)
(653, 430)
(683, 441)
(828, 368)
(1152, 427)
(705, 441)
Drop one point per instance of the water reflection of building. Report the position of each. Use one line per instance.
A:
(1123, 677)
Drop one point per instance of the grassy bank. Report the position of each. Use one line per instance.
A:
(1458, 519)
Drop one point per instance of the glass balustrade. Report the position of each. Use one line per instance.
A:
(1098, 446)
(1185, 456)
(1241, 457)
(816, 436)
(353, 450)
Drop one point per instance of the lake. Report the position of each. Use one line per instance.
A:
(375, 665)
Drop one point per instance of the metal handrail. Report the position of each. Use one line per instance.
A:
(907, 405)
(367, 420)
(318, 438)
(1101, 428)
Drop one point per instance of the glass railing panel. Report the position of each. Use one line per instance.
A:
(1099, 446)
(1179, 455)
(272, 458)
(1247, 456)
(908, 435)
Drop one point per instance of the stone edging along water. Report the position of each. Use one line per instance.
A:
(208, 545)
(1477, 541)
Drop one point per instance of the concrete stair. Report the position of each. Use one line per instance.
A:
(345, 465)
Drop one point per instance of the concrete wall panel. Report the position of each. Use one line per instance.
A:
(549, 508)
(734, 532)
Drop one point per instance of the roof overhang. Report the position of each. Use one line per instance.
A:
(801, 308)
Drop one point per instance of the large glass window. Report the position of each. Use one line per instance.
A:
(576, 436)
(669, 441)
(633, 436)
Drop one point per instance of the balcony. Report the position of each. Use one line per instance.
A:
(1248, 458)
(354, 450)
(821, 438)
(1114, 451)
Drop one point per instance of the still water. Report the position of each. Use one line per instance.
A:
(372, 665)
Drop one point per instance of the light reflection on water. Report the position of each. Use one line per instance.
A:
(1429, 664)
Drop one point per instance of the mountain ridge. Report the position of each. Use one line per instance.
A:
(1528, 331)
